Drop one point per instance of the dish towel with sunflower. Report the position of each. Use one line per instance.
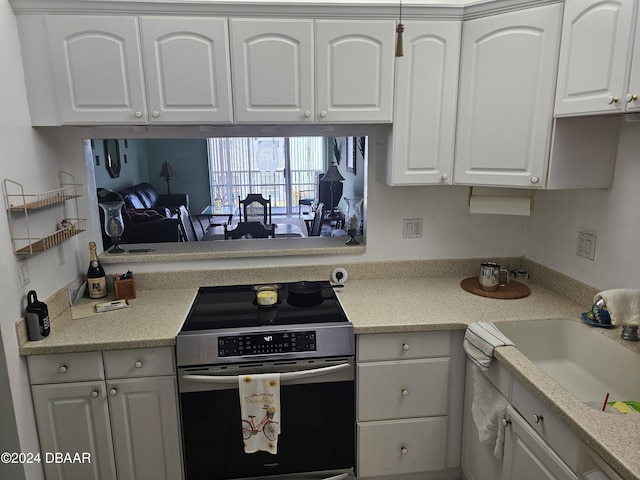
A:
(260, 411)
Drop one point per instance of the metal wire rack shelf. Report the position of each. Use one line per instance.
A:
(19, 203)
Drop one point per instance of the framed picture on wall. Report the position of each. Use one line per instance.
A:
(351, 154)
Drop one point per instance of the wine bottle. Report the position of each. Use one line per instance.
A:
(96, 278)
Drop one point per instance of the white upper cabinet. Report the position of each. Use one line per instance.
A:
(425, 104)
(97, 68)
(505, 106)
(272, 63)
(593, 72)
(354, 70)
(186, 65)
(297, 70)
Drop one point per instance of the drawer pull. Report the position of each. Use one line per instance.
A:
(138, 364)
(405, 392)
(62, 369)
(113, 392)
(95, 393)
(404, 450)
(537, 418)
(506, 422)
(405, 346)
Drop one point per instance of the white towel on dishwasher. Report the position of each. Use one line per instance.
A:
(260, 411)
(488, 408)
(479, 341)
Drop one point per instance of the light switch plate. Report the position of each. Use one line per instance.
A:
(412, 228)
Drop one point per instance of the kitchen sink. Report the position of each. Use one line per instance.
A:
(582, 360)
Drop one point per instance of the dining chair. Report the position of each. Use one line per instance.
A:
(316, 226)
(255, 208)
(250, 229)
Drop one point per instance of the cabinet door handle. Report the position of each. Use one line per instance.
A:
(155, 114)
(534, 180)
(323, 114)
(537, 418)
(405, 392)
(611, 99)
(630, 97)
(405, 346)
(404, 450)
(113, 391)
(506, 422)
(62, 369)
(138, 364)
(445, 176)
(95, 393)
(138, 114)
(307, 114)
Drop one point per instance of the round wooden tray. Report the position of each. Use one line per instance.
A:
(513, 290)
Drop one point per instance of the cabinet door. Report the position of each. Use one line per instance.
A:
(507, 84)
(425, 104)
(186, 62)
(97, 68)
(74, 418)
(632, 95)
(145, 426)
(354, 70)
(527, 456)
(592, 72)
(272, 65)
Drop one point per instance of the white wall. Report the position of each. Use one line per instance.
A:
(612, 214)
(28, 158)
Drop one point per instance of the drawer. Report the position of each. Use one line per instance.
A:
(65, 367)
(403, 389)
(399, 346)
(139, 362)
(401, 446)
(546, 423)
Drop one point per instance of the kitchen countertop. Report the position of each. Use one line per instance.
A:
(380, 306)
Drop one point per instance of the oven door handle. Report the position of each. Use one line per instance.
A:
(286, 376)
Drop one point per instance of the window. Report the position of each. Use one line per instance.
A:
(283, 168)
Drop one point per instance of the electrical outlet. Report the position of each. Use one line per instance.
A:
(586, 245)
(412, 228)
(23, 272)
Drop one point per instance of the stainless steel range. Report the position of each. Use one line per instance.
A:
(307, 338)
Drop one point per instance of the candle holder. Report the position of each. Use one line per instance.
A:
(113, 223)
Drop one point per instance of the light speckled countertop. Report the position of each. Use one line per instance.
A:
(381, 306)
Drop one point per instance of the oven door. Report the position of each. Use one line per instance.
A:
(317, 399)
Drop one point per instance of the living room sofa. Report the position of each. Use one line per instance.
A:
(144, 196)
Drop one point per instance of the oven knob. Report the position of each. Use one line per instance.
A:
(339, 275)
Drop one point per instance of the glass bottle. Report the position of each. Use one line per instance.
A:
(96, 278)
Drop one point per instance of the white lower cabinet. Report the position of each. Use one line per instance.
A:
(409, 390)
(123, 425)
(537, 444)
(527, 456)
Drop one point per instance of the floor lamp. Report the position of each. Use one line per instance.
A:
(332, 175)
(167, 172)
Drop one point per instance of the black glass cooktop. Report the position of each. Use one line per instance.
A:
(236, 307)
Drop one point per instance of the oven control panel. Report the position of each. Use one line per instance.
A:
(266, 343)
